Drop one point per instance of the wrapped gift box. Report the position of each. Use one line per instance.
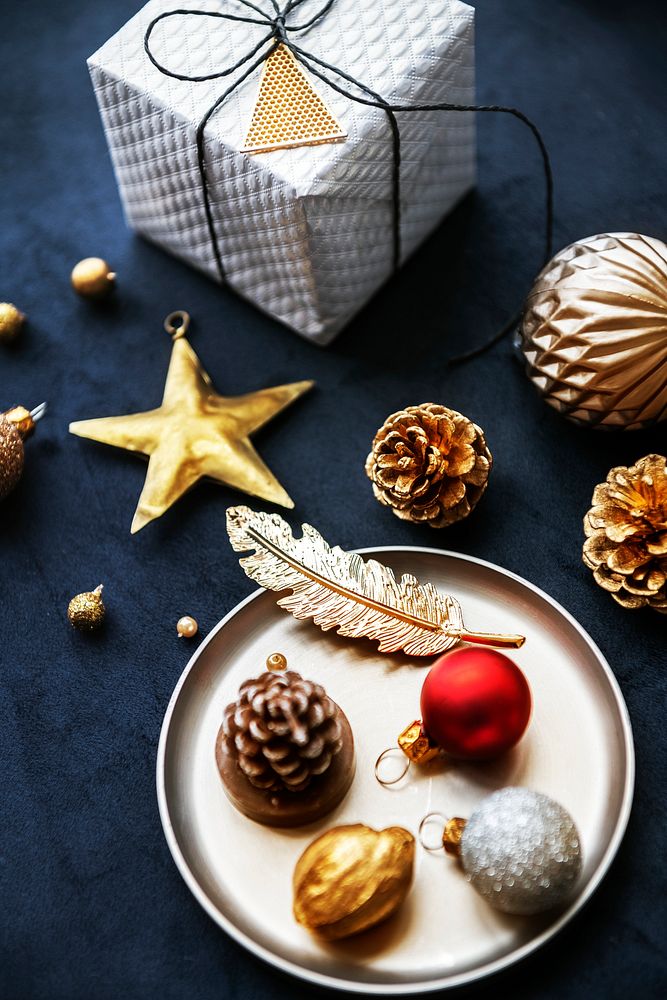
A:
(304, 233)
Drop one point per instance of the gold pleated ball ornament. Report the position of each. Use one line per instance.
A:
(86, 611)
(92, 278)
(11, 322)
(594, 332)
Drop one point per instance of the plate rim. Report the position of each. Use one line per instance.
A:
(446, 982)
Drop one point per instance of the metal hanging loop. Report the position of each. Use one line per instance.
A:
(378, 765)
(430, 818)
(176, 324)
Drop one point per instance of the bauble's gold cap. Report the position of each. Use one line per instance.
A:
(416, 744)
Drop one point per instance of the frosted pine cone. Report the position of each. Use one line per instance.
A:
(429, 464)
(626, 529)
(282, 730)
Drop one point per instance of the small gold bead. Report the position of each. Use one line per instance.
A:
(187, 627)
(276, 662)
(11, 321)
(92, 278)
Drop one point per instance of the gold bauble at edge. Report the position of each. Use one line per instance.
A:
(594, 332)
(16, 424)
(352, 878)
(11, 322)
(11, 456)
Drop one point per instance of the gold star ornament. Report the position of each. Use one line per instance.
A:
(195, 433)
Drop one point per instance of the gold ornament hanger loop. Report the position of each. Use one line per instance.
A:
(450, 832)
(416, 746)
(176, 324)
(386, 781)
(24, 420)
(430, 819)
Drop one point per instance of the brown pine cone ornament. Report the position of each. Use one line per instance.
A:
(285, 750)
(284, 730)
(626, 529)
(429, 464)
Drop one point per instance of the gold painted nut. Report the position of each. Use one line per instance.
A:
(352, 878)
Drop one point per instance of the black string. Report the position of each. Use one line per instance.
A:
(278, 35)
(308, 58)
(201, 160)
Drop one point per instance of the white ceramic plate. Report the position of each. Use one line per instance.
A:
(578, 749)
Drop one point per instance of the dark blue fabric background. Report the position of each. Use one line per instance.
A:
(91, 904)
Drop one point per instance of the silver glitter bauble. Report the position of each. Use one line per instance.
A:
(520, 851)
(594, 331)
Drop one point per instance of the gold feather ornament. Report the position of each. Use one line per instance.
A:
(360, 598)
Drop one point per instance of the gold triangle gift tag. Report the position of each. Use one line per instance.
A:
(288, 111)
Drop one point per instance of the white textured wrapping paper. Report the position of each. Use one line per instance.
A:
(305, 233)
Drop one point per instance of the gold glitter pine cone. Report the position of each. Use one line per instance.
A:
(429, 464)
(283, 731)
(626, 529)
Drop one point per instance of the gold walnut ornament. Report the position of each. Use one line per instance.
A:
(429, 464)
(195, 433)
(352, 878)
(626, 534)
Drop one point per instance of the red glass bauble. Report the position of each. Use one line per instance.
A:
(475, 703)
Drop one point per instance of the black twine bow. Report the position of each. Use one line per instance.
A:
(279, 34)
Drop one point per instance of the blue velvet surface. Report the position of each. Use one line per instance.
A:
(91, 904)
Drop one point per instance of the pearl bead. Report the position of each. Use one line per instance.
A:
(187, 627)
